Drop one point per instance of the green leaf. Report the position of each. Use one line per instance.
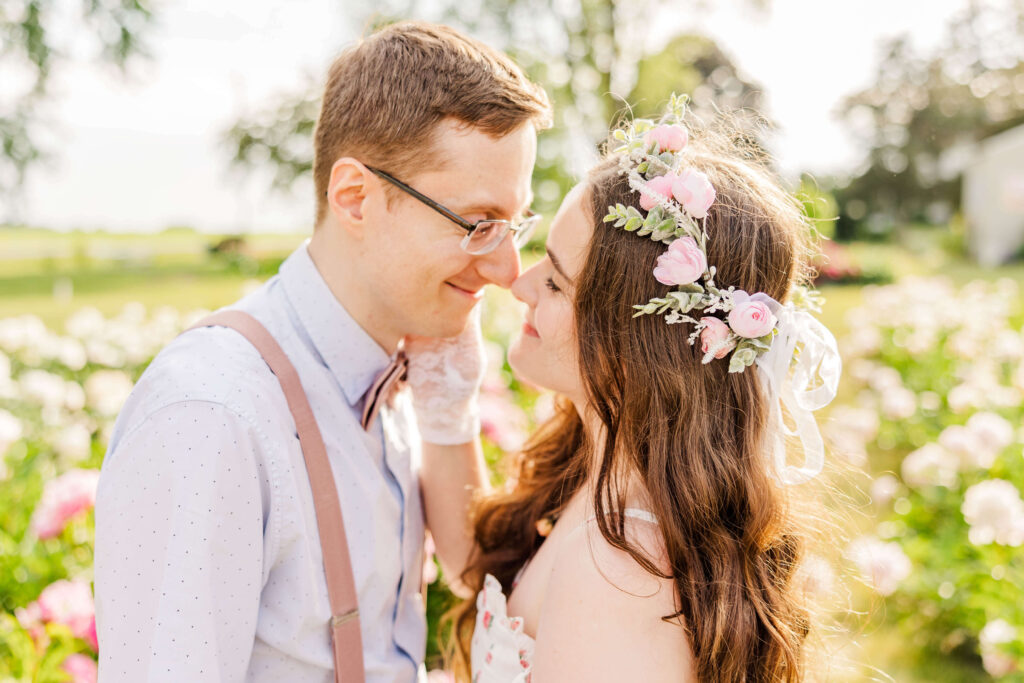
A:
(633, 223)
(666, 225)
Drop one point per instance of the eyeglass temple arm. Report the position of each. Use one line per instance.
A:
(463, 223)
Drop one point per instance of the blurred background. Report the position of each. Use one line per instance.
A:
(156, 161)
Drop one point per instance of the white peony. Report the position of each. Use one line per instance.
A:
(995, 513)
(884, 565)
(10, 431)
(898, 402)
(884, 489)
(930, 465)
(995, 633)
(107, 390)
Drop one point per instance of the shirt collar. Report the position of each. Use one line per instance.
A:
(351, 354)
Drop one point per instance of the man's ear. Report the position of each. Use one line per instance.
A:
(347, 191)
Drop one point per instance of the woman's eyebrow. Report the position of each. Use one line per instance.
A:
(557, 264)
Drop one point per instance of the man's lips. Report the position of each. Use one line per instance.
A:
(474, 293)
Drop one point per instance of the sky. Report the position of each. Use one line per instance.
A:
(143, 153)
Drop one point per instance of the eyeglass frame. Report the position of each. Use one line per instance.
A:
(526, 226)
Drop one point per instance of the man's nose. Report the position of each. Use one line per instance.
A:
(501, 266)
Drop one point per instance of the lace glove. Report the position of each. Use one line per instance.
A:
(445, 377)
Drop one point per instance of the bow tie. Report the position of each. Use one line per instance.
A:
(388, 382)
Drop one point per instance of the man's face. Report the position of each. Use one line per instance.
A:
(422, 282)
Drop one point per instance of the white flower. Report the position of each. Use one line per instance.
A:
(996, 633)
(883, 564)
(107, 390)
(818, 576)
(74, 442)
(898, 402)
(10, 431)
(85, 323)
(993, 431)
(71, 353)
(965, 396)
(42, 387)
(995, 513)
(884, 489)
(965, 445)
(930, 465)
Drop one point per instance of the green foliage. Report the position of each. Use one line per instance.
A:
(29, 40)
(923, 113)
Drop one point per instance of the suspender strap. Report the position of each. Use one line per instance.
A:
(341, 590)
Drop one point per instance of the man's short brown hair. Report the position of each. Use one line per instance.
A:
(386, 94)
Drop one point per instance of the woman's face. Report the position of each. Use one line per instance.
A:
(545, 351)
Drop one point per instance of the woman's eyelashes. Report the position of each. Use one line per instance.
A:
(550, 284)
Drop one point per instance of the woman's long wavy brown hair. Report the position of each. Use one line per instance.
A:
(696, 436)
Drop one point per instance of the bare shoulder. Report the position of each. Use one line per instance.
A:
(605, 612)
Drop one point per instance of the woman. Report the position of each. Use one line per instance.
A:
(647, 533)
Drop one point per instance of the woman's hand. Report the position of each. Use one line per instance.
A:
(445, 377)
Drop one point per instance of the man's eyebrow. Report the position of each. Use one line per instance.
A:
(557, 265)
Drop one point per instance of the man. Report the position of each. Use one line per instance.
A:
(208, 561)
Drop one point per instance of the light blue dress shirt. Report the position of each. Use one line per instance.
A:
(208, 561)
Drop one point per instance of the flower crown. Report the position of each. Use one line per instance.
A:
(796, 354)
(675, 198)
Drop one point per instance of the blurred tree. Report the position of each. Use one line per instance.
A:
(36, 39)
(922, 115)
(586, 54)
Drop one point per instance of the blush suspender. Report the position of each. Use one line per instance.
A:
(346, 638)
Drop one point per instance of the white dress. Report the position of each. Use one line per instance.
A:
(501, 652)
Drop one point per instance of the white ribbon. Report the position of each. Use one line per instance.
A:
(812, 385)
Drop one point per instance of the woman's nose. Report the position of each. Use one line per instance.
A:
(522, 287)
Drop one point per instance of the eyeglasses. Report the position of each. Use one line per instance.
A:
(481, 237)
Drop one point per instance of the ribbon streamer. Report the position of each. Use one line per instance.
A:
(814, 382)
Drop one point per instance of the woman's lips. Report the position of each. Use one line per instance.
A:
(530, 330)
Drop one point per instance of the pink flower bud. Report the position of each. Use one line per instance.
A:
(81, 667)
(694, 191)
(70, 603)
(713, 334)
(683, 263)
(669, 138)
(752, 319)
(662, 185)
(63, 498)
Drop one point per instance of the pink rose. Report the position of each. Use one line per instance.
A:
(669, 138)
(715, 332)
(682, 264)
(752, 316)
(694, 191)
(70, 603)
(662, 185)
(81, 667)
(63, 498)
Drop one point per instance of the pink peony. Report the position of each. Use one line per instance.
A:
(694, 191)
(683, 263)
(669, 138)
(715, 333)
(63, 498)
(70, 603)
(662, 185)
(752, 316)
(81, 667)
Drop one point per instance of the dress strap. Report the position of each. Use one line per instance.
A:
(635, 513)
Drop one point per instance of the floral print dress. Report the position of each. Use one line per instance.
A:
(501, 652)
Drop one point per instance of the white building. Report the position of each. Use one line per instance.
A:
(993, 198)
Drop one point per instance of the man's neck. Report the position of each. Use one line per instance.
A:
(348, 288)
